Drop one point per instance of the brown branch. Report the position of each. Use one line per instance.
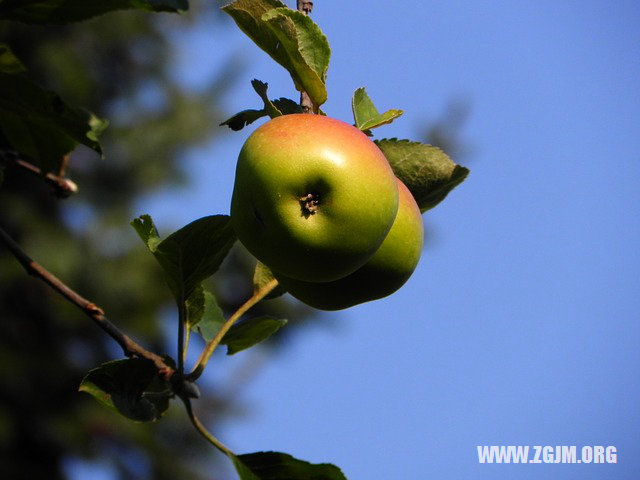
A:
(62, 187)
(129, 347)
(305, 6)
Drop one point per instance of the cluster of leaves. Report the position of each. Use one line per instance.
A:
(40, 126)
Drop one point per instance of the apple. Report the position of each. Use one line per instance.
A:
(385, 272)
(313, 197)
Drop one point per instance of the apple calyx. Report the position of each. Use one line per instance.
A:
(309, 204)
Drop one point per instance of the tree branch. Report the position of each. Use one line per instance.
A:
(62, 187)
(129, 346)
(305, 6)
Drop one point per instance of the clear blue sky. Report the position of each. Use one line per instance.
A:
(521, 324)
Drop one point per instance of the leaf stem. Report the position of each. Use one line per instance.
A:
(129, 346)
(203, 431)
(211, 346)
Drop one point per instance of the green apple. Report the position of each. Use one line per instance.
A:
(385, 272)
(313, 197)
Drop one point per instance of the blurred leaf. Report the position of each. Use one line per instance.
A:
(250, 332)
(426, 170)
(191, 254)
(365, 113)
(211, 319)
(65, 11)
(131, 386)
(281, 466)
(9, 63)
(263, 275)
(291, 38)
(39, 124)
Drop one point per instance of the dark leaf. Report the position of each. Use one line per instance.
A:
(287, 106)
(243, 118)
(39, 124)
(65, 11)
(261, 89)
(131, 386)
(9, 63)
(281, 466)
(365, 113)
(250, 332)
(272, 108)
(191, 254)
(426, 170)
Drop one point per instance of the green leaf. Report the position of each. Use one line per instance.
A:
(39, 124)
(131, 387)
(65, 11)
(211, 319)
(9, 63)
(191, 254)
(250, 332)
(365, 113)
(291, 38)
(195, 307)
(147, 231)
(263, 275)
(282, 466)
(426, 170)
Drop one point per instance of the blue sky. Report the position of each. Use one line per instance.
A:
(521, 323)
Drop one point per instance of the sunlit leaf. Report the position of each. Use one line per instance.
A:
(426, 170)
(291, 38)
(365, 113)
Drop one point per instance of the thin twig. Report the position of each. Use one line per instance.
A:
(129, 346)
(305, 6)
(62, 187)
(211, 346)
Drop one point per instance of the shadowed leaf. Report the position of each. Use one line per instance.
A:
(191, 254)
(281, 466)
(131, 386)
(65, 11)
(250, 332)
